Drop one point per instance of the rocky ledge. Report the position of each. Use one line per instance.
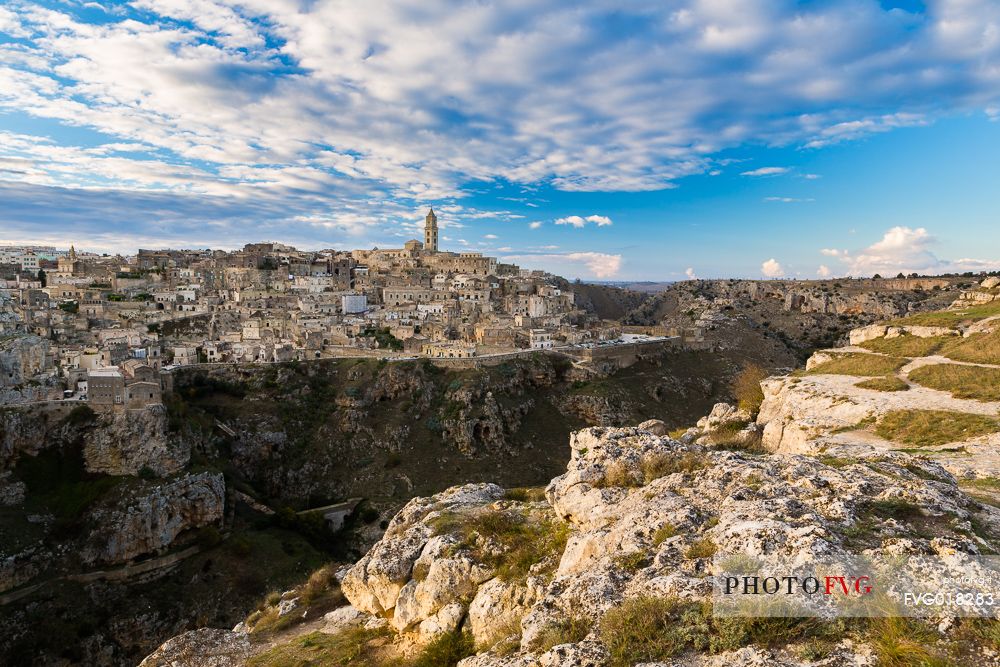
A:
(610, 564)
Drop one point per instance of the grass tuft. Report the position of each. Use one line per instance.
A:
(508, 541)
(888, 383)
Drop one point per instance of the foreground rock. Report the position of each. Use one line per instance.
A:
(645, 514)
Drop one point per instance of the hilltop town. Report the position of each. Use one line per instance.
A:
(102, 328)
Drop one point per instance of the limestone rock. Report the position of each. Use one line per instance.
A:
(374, 583)
(990, 282)
(206, 647)
(654, 426)
(123, 443)
(151, 519)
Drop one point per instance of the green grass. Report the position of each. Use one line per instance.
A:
(663, 533)
(526, 494)
(565, 630)
(860, 364)
(951, 318)
(906, 345)
(929, 428)
(974, 382)
(701, 548)
(648, 629)
(888, 383)
(977, 349)
(354, 646)
(524, 541)
(445, 650)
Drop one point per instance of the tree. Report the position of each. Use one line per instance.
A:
(876, 277)
(41, 277)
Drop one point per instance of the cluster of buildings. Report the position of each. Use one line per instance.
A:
(111, 325)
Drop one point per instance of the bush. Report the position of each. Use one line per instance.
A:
(701, 548)
(446, 650)
(353, 646)
(526, 494)
(566, 630)
(661, 465)
(746, 388)
(523, 542)
(647, 629)
(663, 533)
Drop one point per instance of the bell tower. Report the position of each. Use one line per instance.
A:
(431, 231)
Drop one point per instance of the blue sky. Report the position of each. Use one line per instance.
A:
(708, 138)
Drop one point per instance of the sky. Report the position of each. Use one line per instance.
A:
(657, 140)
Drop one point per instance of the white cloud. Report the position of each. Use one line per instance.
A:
(689, 272)
(904, 250)
(491, 236)
(573, 264)
(535, 225)
(811, 177)
(579, 222)
(766, 171)
(789, 200)
(234, 96)
(771, 269)
(823, 271)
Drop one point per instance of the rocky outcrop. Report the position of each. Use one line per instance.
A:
(202, 648)
(22, 358)
(126, 442)
(596, 410)
(642, 509)
(151, 519)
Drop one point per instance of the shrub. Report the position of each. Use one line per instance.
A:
(632, 562)
(746, 388)
(929, 428)
(446, 650)
(523, 542)
(701, 548)
(526, 494)
(353, 646)
(566, 630)
(904, 642)
(617, 474)
(663, 533)
(660, 465)
(647, 629)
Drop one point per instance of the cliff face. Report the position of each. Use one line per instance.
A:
(311, 432)
(21, 358)
(114, 443)
(149, 520)
(126, 443)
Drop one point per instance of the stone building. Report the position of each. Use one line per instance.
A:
(431, 231)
